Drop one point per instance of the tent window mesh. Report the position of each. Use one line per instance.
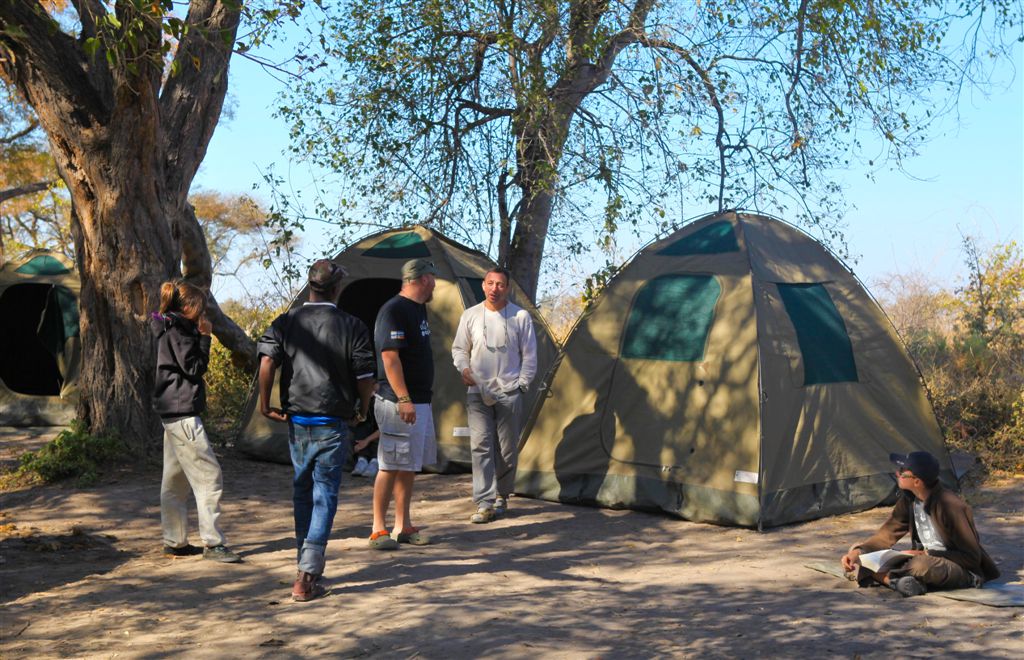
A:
(407, 245)
(821, 333)
(715, 238)
(671, 318)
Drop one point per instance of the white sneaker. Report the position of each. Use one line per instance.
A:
(371, 469)
(360, 469)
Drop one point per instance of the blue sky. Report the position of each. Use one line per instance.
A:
(969, 179)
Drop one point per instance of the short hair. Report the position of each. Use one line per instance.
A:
(180, 296)
(500, 270)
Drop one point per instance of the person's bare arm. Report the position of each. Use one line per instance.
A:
(362, 444)
(266, 385)
(396, 378)
(851, 558)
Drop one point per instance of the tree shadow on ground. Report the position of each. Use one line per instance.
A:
(47, 561)
(548, 580)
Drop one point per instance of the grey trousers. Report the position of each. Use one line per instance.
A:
(494, 445)
(189, 464)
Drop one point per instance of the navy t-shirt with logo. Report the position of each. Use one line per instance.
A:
(402, 325)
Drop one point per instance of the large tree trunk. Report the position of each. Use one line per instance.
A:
(541, 129)
(128, 151)
(527, 249)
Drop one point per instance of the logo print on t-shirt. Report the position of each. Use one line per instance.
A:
(424, 328)
(398, 334)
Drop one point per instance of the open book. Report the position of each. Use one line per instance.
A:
(882, 560)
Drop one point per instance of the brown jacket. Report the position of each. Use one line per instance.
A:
(954, 523)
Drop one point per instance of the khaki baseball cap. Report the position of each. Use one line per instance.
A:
(417, 268)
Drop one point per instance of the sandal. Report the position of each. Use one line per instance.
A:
(381, 540)
(484, 514)
(412, 536)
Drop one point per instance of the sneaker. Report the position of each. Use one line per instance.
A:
(484, 514)
(381, 540)
(908, 585)
(186, 550)
(360, 469)
(307, 587)
(222, 554)
(371, 469)
(500, 506)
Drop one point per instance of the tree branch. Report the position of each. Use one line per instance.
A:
(88, 11)
(28, 189)
(11, 139)
(191, 101)
(49, 69)
(709, 87)
(197, 269)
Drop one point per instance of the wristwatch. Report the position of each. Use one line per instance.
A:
(405, 399)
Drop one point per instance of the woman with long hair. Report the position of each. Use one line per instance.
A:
(182, 334)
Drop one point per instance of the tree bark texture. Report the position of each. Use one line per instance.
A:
(127, 150)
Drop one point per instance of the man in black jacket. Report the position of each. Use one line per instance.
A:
(327, 378)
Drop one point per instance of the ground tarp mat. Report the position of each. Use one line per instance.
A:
(992, 594)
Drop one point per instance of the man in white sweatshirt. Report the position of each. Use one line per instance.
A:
(495, 350)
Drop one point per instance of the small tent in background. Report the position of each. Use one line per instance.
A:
(41, 349)
(374, 275)
(734, 372)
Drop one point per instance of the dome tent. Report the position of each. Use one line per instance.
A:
(40, 360)
(374, 265)
(734, 372)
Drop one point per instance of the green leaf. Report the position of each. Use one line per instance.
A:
(90, 46)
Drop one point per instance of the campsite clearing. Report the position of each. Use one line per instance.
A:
(82, 575)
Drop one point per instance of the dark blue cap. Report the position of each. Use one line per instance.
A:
(924, 466)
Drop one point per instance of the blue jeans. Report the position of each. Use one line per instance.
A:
(318, 454)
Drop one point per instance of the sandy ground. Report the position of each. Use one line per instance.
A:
(82, 576)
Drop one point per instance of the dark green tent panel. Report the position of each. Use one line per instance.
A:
(403, 245)
(714, 238)
(671, 318)
(824, 343)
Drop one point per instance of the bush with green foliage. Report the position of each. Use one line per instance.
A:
(969, 346)
(227, 383)
(74, 453)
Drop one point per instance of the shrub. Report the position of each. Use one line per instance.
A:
(228, 383)
(969, 346)
(74, 453)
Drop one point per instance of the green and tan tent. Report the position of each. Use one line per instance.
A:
(374, 265)
(41, 349)
(734, 372)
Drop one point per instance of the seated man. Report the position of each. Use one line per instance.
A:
(947, 552)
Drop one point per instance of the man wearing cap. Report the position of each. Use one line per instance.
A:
(945, 547)
(402, 409)
(495, 351)
(327, 379)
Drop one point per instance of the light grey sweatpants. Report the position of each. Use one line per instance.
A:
(189, 461)
(493, 445)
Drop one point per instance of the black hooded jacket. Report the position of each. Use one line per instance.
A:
(182, 355)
